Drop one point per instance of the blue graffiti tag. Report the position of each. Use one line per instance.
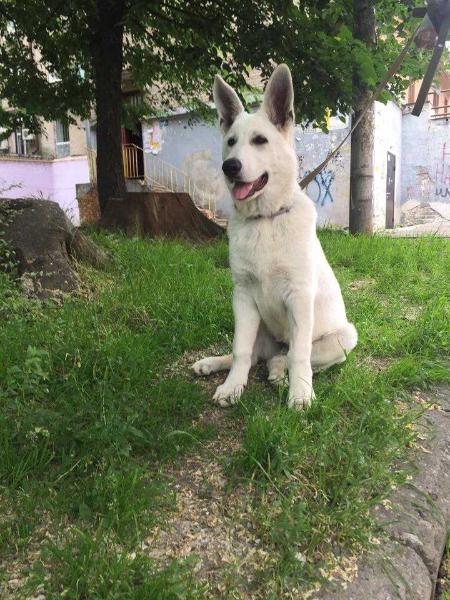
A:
(319, 190)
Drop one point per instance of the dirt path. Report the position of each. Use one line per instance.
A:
(212, 521)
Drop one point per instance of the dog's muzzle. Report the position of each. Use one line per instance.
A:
(231, 167)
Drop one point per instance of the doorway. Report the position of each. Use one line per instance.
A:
(133, 156)
(390, 190)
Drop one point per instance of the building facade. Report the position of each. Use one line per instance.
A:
(178, 152)
(47, 165)
(411, 160)
(195, 148)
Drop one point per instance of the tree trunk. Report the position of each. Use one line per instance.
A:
(107, 48)
(362, 142)
(163, 214)
(361, 171)
(42, 241)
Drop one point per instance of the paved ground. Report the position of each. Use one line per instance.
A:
(440, 228)
(415, 519)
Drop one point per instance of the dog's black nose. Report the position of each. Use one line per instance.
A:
(231, 167)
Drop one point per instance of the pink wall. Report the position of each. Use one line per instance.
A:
(52, 179)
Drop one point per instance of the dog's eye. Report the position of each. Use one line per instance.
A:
(259, 140)
(231, 141)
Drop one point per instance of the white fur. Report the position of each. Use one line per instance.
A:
(285, 292)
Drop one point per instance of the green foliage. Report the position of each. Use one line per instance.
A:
(176, 48)
(7, 256)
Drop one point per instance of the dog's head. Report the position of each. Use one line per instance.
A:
(259, 160)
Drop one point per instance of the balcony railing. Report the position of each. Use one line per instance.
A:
(440, 112)
(92, 164)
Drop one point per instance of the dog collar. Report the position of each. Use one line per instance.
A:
(281, 211)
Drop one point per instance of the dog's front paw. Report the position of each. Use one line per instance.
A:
(300, 396)
(227, 393)
(205, 366)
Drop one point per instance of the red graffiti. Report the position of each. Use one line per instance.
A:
(443, 173)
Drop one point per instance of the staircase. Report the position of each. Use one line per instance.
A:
(158, 187)
(160, 177)
(164, 177)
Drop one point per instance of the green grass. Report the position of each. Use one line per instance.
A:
(446, 595)
(88, 403)
(443, 580)
(85, 567)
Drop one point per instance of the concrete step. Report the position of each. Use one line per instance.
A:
(159, 187)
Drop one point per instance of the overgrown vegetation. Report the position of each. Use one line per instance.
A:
(88, 402)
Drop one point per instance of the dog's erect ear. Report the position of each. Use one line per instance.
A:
(227, 103)
(278, 101)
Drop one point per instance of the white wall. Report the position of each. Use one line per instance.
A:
(387, 138)
(51, 179)
(426, 163)
(330, 190)
(421, 147)
(195, 148)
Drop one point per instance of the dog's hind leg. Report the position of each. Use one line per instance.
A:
(268, 349)
(264, 348)
(332, 348)
(328, 350)
(212, 364)
(277, 367)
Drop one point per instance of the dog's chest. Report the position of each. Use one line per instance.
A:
(262, 264)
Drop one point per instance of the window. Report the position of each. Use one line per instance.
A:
(20, 143)
(133, 98)
(25, 142)
(62, 142)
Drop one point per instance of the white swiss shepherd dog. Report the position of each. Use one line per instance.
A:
(285, 292)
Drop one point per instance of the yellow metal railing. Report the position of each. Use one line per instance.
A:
(132, 161)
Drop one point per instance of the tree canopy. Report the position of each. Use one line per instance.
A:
(47, 51)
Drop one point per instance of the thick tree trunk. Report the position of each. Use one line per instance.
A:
(163, 214)
(362, 142)
(43, 241)
(107, 51)
(361, 171)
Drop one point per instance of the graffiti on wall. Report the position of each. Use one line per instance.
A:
(153, 137)
(443, 173)
(319, 190)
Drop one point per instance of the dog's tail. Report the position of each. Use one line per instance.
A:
(347, 337)
(333, 347)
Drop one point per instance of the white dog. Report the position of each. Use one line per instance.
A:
(285, 292)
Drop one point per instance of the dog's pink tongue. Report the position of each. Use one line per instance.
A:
(242, 190)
